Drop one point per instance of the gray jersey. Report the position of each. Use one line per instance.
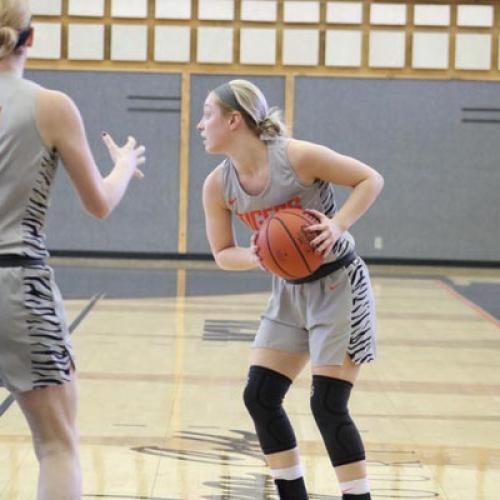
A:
(27, 170)
(283, 190)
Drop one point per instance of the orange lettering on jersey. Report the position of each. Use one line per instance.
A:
(255, 218)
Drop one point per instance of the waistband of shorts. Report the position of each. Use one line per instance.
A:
(10, 260)
(326, 269)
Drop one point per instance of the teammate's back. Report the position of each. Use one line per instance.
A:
(27, 170)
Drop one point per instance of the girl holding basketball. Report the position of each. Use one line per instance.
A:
(327, 317)
(37, 127)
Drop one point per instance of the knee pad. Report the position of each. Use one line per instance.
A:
(263, 398)
(329, 400)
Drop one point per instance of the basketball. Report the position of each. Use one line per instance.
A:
(283, 244)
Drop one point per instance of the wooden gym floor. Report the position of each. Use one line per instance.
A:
(162, 361)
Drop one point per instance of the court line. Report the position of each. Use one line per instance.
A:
(5, 405)
(125, 497)
(478, 309)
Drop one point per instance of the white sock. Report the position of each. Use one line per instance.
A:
(288, 474)
(356, 487)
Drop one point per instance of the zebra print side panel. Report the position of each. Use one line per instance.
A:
(341, 247)
(327, 197)
(36, 209)
(51, 360)
(362, 346)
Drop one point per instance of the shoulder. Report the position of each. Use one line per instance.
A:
(215, 176)
(57, 116)
(213, 185)
(56, 102)
(303, 155)
(300, 151)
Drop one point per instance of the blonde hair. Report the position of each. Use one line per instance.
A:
(266, 122)
(15, 16)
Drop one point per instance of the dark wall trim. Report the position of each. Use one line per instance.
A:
(387, 261)
(207, 257)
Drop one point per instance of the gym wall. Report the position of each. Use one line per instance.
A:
(410, 88)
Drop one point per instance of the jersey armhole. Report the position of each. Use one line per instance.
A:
(226, 184)
(37, 93)
(292, 169)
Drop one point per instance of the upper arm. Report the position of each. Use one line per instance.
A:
(312, 161)
(61, 127)
(217, 216)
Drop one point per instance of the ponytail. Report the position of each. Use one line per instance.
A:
(15, 29)
(8, 40)
(248, 99)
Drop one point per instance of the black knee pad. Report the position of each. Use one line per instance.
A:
(263, 398)
(329, 398)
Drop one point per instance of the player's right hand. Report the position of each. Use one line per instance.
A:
(130, 153)
(254, 250)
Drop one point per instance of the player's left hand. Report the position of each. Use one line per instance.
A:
(327, 232)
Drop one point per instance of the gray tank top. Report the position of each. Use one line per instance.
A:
(283, 190)
(27, 170)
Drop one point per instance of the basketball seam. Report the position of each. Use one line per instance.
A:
(285, 211)
(271, 251)
(292, 239)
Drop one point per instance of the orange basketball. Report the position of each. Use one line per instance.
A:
(283, 244)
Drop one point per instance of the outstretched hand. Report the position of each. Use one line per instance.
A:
(130, 153)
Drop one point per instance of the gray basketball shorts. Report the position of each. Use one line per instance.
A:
(35, 345)
(328, 318)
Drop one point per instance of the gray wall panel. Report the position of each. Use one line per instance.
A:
(146, 221)
(201, 164)
(442, 177)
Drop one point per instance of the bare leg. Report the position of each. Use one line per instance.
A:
(289, 364)
(51, 414)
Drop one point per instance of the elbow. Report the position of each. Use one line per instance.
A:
(100, 215)
(99, 211)
(220, 263)
(379, 181)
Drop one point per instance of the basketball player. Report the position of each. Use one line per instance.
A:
(328, 317)
(37, 127)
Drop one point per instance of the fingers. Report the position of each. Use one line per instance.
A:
(314, 228)
(323, 241)
(140, 158)
(322, 245)
(112, 146)
(317, 216)
(319, 240)
(320, 221)
(131, 142)
(133, 154)
(254, 250)
(324, 249)
(108, 140)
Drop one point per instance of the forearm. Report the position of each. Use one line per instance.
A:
(116, 183)
(235, 259)
(359, 201)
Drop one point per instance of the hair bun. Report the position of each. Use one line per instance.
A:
(8, 40)
(271, 126)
